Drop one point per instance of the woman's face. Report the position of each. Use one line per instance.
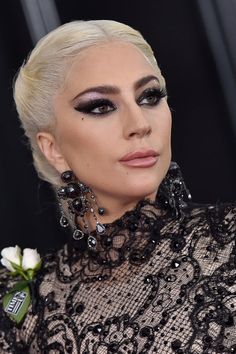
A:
(111, 106)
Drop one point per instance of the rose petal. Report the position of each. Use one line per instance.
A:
(12, 254)
(30, 258)
(7, 264)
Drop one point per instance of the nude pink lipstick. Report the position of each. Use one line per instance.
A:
(142, 158)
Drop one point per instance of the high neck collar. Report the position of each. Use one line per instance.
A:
(137, 227)
(132, 238)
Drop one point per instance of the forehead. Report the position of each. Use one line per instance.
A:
(108, 63)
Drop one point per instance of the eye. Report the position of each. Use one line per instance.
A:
(152, 96)
(96, 107)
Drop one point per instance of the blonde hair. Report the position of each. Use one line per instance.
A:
(43, 74)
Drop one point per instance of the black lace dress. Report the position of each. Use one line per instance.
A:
(154, 284)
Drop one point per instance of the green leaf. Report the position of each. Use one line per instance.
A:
(19, 286)
(16, 303)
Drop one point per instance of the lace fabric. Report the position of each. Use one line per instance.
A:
(154, 284)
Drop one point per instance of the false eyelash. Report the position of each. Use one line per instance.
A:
(158, 92)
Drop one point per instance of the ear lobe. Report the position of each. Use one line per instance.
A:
(51, 151)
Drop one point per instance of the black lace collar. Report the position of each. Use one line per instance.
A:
(132, 238)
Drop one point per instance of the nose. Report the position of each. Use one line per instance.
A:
(136, 123)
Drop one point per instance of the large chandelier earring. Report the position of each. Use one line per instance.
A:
(81, 202)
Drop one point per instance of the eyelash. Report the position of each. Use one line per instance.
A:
(88, 108)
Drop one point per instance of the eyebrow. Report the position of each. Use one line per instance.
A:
(108, 89)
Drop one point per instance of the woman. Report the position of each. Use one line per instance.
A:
(144, 271)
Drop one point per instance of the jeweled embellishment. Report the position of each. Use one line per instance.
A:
(92, 241)
(64, 221)
(100, 228)
(78, 234)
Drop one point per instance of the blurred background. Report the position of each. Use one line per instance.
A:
(195, 46)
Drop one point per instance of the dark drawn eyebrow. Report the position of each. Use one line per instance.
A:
(107, 89)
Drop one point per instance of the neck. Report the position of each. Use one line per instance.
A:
(113, 209)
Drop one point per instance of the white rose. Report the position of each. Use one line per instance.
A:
(11, 254)
(30, 259)
(7, 264)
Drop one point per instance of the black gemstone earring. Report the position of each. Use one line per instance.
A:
(80, 202)
(64, 222)
(173, 192)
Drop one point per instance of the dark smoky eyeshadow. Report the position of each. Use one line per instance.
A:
(87, 107)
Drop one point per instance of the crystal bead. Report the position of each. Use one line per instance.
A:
(170, 278)
(64, 221)
(232, 349)
(176, 344)
(135, 256)
(72, 190)
(77, 205)
(83, 188)
(177, 244)
(92, 241)
(79, 308)
(145, 332)
(100, 228)
(67, 176)
(78, 234)
(97, 329)
(101, 211)
(61, 192)
(156, 328)
(175, 263)
(107, 241)
(148, 279)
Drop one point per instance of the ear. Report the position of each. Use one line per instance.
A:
(51, 151)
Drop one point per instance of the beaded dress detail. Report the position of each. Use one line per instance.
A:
(154, 284)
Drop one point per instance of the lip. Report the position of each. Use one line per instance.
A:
(141, 158)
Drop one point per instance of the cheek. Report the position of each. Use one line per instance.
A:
(164, 124)
(168, 120)
(169, 127)
(85, 144)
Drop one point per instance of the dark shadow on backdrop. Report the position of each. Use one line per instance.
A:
(203, 140)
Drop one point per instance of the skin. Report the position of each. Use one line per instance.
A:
(92, 145)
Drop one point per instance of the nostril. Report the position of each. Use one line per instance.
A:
(132, 134)
(149, 131)
(141, 132)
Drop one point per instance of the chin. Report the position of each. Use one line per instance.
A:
(142, 189)
(145, 184)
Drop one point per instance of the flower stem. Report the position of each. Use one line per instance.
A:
(23, 275)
